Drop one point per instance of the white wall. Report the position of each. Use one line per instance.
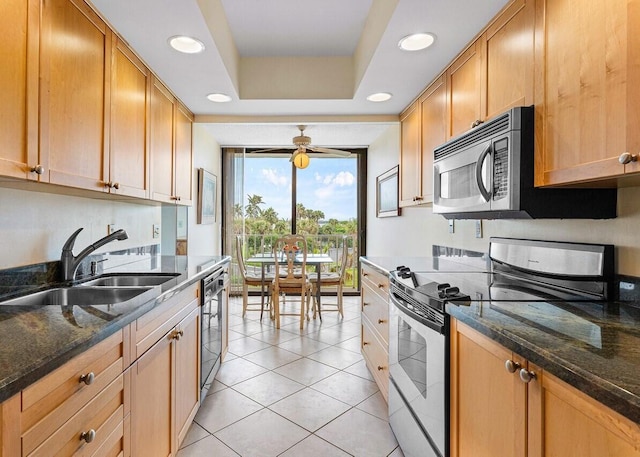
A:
(417, 229)
(205, 239)
(35, 225)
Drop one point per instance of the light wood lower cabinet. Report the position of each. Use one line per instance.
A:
(374, 340)
(494, 413)
(165, 387)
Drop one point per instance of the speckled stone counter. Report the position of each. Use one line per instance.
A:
(38, 339)
(594, 347)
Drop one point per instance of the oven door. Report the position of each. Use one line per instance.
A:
(462, 180)
(418, 365)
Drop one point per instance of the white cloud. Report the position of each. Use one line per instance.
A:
(272, 177)
(344, 178)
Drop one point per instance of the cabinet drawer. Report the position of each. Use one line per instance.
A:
(104, 415)
(377, 281)
(376, 356)
(376, 310)
(52, 400)
(152, 326)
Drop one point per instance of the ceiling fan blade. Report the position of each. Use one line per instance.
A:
(281, 149)
(336, 152)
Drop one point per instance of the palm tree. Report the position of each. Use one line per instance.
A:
(253, 209)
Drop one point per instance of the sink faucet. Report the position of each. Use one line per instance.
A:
(70, 262)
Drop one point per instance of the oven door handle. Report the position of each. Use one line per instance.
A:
(483, 190)
(400, 306)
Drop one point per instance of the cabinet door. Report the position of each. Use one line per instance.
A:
(565, 422)
(187, 373)
(183, 156)
(161, 142)
(18, 87)
(129, 159)
(588, 90)
(434, 132)
(488, 404)
(75, 45)
(510, 55)
(465, 95)
(410, 156)
(152, 383)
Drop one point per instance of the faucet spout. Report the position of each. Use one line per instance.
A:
(70, 262)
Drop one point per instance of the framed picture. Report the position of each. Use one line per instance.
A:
(206, 197)
(387, 194)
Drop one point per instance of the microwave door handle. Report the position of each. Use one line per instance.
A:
(483, 190)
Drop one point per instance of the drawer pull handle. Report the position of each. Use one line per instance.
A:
(364, 343)
(88, 378)
(380, 368)
(177, 334)
(364, 303)
(527, 376)
(380, 286)
(511, 366)
(381, 321)
(88, 437)
(626, 158)
(37, 169)
(364, 275)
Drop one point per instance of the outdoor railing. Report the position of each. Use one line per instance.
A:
(331, 245)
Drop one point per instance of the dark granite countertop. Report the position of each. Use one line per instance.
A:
(594, 347)
(38, 339)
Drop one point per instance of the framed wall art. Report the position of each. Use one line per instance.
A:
(206, 197)
(387, 194)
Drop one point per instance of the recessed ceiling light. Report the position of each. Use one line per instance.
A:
(416, 41)
(186, 44)
(219, 98)
(379, 97)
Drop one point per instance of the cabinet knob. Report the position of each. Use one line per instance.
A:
(511, 366)
(418, 198)
(627, 157)
(115, 185)
(88, 436)
(527, 376)
(381, 321)
(364, 303)
(176, 198)
(476, 123)
(365, 343)
(380, 368)
(364, 275)
(88, 378)
(380, 286)
(38, 169)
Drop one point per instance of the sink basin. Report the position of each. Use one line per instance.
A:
(130, 280)
(79, 296)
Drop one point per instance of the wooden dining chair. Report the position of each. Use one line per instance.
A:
(333, 279)
(290, 258)
(251, 280)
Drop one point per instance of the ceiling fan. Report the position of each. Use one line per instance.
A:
(302, 144)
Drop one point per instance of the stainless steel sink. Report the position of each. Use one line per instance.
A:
(130, 280)
(81, 296)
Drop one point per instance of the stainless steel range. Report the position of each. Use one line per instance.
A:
(545, 274)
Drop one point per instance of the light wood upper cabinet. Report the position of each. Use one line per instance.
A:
(170, 148)
(465, 96)
(410, 150)
(588, 91)
(75, 47)
(19, 87)
(130, 101)
(509, 57)
(433, 105)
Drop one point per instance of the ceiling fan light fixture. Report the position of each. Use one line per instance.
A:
(219, 97)
(186, 44)
(379, 97)
(301, 160)
(417, 41)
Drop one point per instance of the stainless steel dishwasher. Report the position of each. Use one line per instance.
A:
(212, 325)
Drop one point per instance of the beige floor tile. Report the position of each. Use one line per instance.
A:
(360, 369)
(375, 405)
(273, 335)
(262, 434)
(216, 386)
(310, 409)
(233, 335)
(238, 370)
(195, 433)
(346, 387)
(249, 327)
(223, 408)
(244, 346)
(397, 452)
(306, 371)
(336, 357)
(303, 345)
(352, 344)
(210, 446)
(272, 357)
(335, 334)
(268, 388)
(360, 434)
(314, 447)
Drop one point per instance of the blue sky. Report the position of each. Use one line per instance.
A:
(327, 184)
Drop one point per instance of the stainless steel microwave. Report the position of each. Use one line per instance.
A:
(488, 173)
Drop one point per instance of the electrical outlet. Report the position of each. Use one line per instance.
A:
(452, 228)
(111, 228)
(156, 230)
(479, 228)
